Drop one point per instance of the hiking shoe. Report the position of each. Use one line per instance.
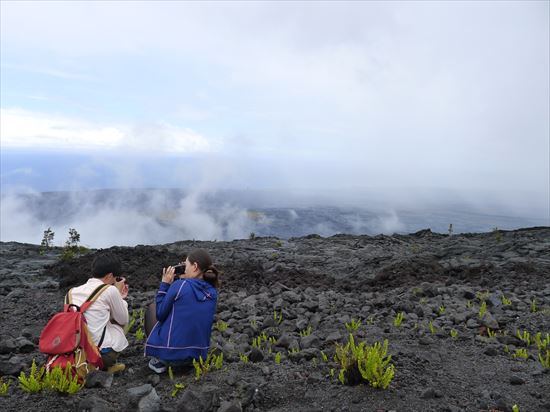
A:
(157, 366)
(117, 367)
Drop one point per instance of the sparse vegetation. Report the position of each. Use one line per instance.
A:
(56, 380)
(4, 386)
(545, 360)
(243, 357)
(353, 325)
(521, 353)
(177, 387)
(453, 333)
(525, 337)
(505, 301)
(278, 358)
(202, 367)
(431, 327)
(482, 309)
(533, 305)
(398, 319)
(441, 310)
(221, 326)
(278, 317)
(366, 363)
(47, 239)
(140, 334)
(305, 332)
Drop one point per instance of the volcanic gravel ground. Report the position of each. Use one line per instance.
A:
(320, 283)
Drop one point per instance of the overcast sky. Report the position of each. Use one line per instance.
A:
(351, 95)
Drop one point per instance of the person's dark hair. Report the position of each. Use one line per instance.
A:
(203, 260)
(104, 263)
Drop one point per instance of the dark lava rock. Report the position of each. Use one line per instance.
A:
(99, 379)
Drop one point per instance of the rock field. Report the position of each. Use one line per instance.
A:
(315, 286)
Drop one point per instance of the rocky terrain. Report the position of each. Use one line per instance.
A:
(318, 285)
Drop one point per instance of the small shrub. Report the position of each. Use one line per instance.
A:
(353, 325)
(365, 363)
(533, 305)
(542, 343)
(453, 333)
(243, 358)
(305, 332)
(505, 301)
(525, 337)
(32, 383)
(324, 356)
(545, 360)
(491, 333)
(202, 367)
(278, 358)
(431, 327)
(278, 317)
(515, 408)
(398, 319)
(441, 310)
(221, 326)
(4, 386)
(61, 380)
(482, 309)
(177, 387)
(47, 239)
(521, 353)
(140, 334)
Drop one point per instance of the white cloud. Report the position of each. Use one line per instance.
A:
(33, 130)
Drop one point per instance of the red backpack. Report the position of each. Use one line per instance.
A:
(66, 338)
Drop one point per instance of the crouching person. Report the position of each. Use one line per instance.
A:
(185, 309)
(108, 314)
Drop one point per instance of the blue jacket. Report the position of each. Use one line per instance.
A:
(185, 312)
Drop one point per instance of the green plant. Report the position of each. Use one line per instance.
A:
(491, 333)
(221, 326)
(353, 325)
(525, 337)
(293, 351)
(324, 356)
(56, 380)
(177, 387)
(431, 327)
(533, 305)
(423, 300)
(4, 386)
(61, 380)
(243, 358)
(47, 239)
(140, 335)
(482, 309)
(252, 236)
(278, 243)
(515, 408)
(278, 317)
(365, 363)
(398, 319)
(253, 323)
(32, 383)
(482, 296)
(542, 343)
(202, 367)
(305, 332)
(521, 353)
(545, 361)
(170, 373)
(74, 239)
(469, 304)
(370, 320)
(453, 333)
(331, 373)
(498, 234)
(505, 301)
(441, 310)
(278, 358)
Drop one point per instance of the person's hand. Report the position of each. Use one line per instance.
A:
(124, 291)
(119, 284)
(168, 274)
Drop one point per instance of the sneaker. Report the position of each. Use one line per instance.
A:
(157, 365)
(117, 367)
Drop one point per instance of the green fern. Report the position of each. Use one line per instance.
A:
(365, 363)
(32, 383)
(4, 386)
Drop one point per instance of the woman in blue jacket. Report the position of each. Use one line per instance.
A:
(185, 311)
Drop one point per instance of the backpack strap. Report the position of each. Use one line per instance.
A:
(93, 297)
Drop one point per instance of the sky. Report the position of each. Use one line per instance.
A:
(400, 97)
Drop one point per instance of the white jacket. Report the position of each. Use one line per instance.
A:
(108, 306)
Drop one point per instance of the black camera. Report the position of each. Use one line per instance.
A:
(179, 269)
